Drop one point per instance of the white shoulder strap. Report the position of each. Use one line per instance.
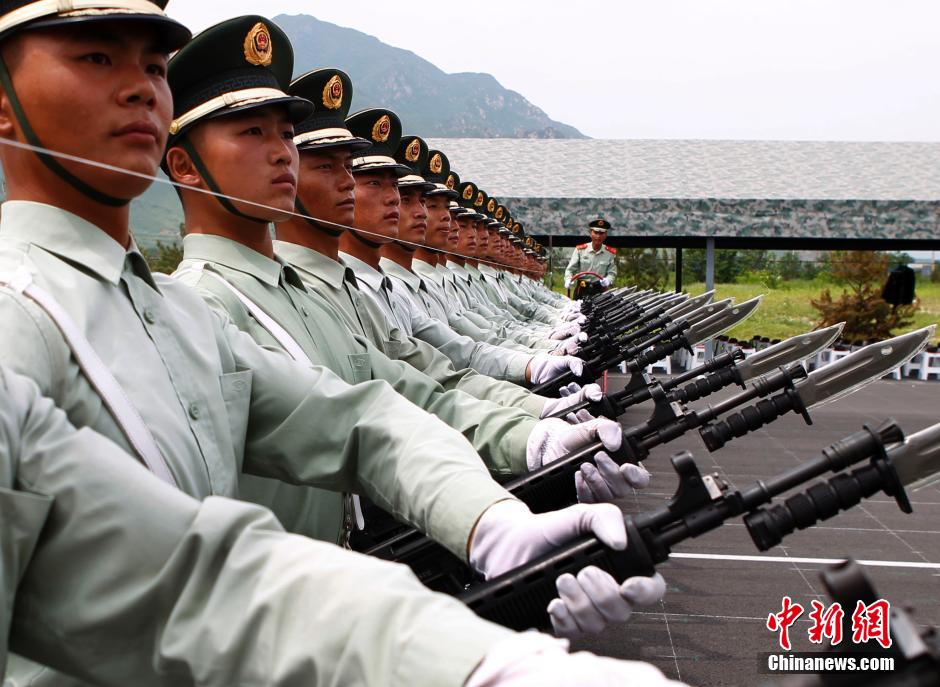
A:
(277, 331)
(98, 375)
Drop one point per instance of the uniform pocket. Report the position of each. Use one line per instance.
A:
(392, 349)
(236, 392)
(361, 364)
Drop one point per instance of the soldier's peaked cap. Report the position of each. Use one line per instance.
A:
(412, 152)
(467, 193)
(600, 225)
(16, 15)
(437, 171)
(331, 92)
(382, 129)
(240, 64)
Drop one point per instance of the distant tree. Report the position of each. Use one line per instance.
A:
(646, 268)
(788, 266)
(935, 273)
(165, 257)
(865, 313)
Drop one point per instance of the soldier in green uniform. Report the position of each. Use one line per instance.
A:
(594, 256)
(139, 357)
(213, 592)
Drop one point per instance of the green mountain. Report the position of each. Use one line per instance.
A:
(430, 102)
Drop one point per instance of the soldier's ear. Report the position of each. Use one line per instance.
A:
(7, 117)
(180, 168)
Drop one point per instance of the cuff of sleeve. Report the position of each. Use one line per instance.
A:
(516, 368)
(461, 503)
(518, 440)
(534, 405)
(458, 642)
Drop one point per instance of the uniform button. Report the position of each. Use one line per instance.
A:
(149, 315)
(303, 309)
(194, 411)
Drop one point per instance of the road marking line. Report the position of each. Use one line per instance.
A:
(793, 559)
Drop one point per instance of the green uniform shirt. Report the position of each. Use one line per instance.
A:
(122, 580)
(336, 283)
(586, 259)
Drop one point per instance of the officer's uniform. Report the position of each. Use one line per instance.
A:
(585, 259)
(215, 402)
(212, 592)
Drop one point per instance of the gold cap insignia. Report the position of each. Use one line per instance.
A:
(479, 201)
(451, 182)
(499, 214)
(381, 129)
(436, 164)
(413, 150)
(258, 48)
(516, 228)
(333, 93)
(491, 206)
(468, 192)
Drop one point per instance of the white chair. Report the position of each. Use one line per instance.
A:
(924, 364)
(665, 365)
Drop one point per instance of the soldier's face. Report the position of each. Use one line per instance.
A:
(453, 237)
(483, 242)
(252, 156)
(327, 188)
(413, 221)
(97, 92)
(466, 238)
(597, 238)
(438, 221)
(377, 201)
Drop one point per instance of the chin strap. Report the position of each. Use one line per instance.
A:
(329, 231)
(372, 244)
(48, 160)
(186, 145)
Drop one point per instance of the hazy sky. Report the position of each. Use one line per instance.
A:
(731, 69)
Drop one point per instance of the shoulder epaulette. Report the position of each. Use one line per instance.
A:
(611, 250)
(581, 247)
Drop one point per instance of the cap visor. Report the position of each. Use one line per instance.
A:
(173, 35)
(351, 142)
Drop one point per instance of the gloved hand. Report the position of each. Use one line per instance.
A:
(605, 282)
(567, 283)
(563, 331)
(608, 481)
(570, 396)
(531, 659)
(553, 438)
(574, 316)
(508, 534)
(544, 367)
(570, 346)
(592, 600)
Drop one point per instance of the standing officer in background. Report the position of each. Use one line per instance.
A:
(594, 256)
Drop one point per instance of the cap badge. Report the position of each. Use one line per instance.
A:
(382, 129)
(491, 206)
(258, 48)
(333, 93)
(436, 164)
(499, 214)
(413, 150)
(451, 182)
(479, 201)
(468, 192)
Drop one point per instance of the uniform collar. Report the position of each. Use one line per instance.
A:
(235, 256)
(324, 268)
(366, 273)
(473, 271)
(427, 271)
(488, 270)
(72, 239)
(458, 269)
(393, 269)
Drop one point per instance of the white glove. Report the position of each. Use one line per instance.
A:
(571, 305)
(508, 534)
(573, 316)
(570, 346)
(553, 438)
(571, 397)
(544, 367)
(563, 331)
(531, 659)
(593, 600)
(608, 481)
(605, 282)
(567, 283)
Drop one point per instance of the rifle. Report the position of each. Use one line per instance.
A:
(552, 486)
(724, 370)
(519, 598)
(681, 334)
(916, 653)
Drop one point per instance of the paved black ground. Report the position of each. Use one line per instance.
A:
(710, 628)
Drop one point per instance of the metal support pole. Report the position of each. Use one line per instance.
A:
(678, 270)
(551, 264)
(709, 284)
